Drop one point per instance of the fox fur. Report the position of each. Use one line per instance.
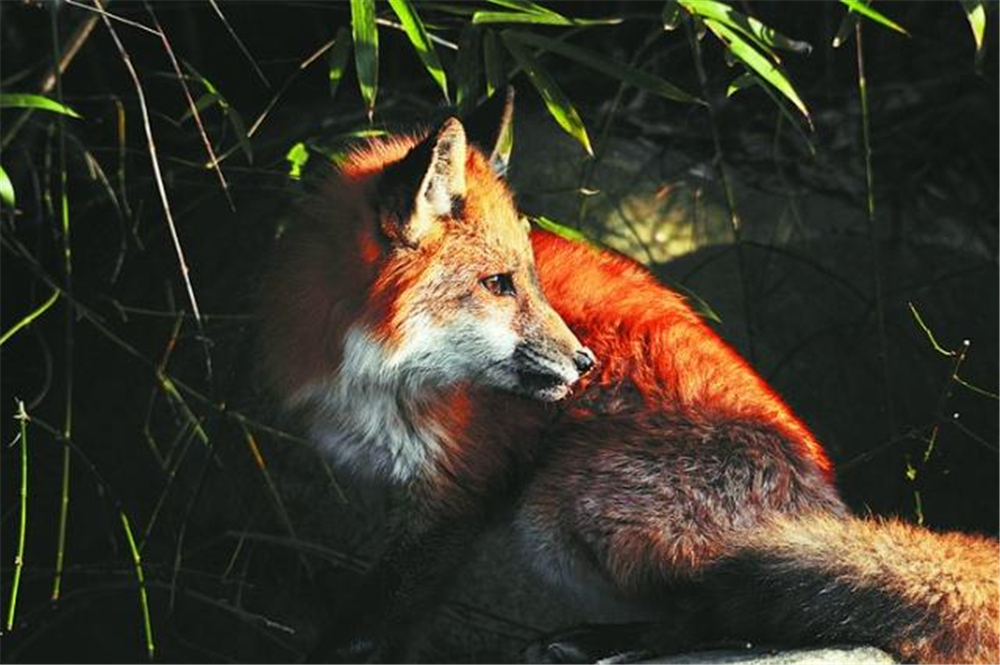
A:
(436, 347)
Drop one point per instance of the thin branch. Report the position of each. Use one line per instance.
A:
(213, 161)
(158, 176)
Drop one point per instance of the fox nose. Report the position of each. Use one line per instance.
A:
(584, 360)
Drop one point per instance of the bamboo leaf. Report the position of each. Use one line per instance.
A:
(415, 30)
(752, 58)
(845, 30)
(203, 102)
(539, 19)
(762, 36)
(866, 11)
(741, 82)
(236, 120)
(524, 6)
(493, 60)
(12, 100)
(670, 15)
(338, 59)
(618, 70)
(975, 12)
(556, 101)
(467, 73)
(365, 36)
(7, 189)
(561, 230)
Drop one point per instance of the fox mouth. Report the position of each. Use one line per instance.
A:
(541, 377)
(542, 385)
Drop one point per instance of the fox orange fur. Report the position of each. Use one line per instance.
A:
(435, 347)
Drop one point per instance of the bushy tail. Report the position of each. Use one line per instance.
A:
(923, 596)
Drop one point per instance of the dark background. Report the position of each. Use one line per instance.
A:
(234, 514)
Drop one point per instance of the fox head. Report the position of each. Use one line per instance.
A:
(412, 271)
(456, 298)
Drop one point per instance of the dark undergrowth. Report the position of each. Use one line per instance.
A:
(834, 211)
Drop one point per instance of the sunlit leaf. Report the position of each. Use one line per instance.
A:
(415, 30)
(555, 100)
(866, 11)
(493, 60)
(975, 12)
(618, 70)
(6, 189)
(764, 37)
(10, 100)
(741, 82)
(561, 230)
(297, 158)
(753, 59)
(467, 70)
(338, 59)
(539, 19)
(365, 35)
(524, 6)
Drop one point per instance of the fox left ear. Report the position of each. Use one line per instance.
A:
(437, 165)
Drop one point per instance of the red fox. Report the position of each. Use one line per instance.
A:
(435, 346)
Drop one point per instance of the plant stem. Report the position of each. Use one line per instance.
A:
(21, 416)
(872, 238)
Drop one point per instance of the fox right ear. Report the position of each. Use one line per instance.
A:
(437, 168)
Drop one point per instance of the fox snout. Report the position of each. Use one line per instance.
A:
(548, 374)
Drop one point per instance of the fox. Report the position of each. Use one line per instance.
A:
(438, 348)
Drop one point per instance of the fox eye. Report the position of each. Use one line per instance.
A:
(499, 285)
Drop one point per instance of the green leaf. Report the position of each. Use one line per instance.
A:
(762, 36)
(561, 230)
(555, 100)
(17, 100)
(415, 30)
(845, 30)
(975, 12)
(670, 15)
(758, 63)
(467, 72)
(539, 19)
(6, 189)
(236, 120)
(524, 6)
(338, 59)
(741, 82)
(203, 102)
(866, 11)
(493, 60)
(365, 34)
(618, 70)
(297, 157)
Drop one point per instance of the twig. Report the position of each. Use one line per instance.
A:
(69, 322)
(213, 161)
(239, 43)
(727, 189)
(147, 623)
(158, 176)
(21, 416)
(883, 354)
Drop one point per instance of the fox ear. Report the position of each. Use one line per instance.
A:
(430, 179)
(491, 127)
